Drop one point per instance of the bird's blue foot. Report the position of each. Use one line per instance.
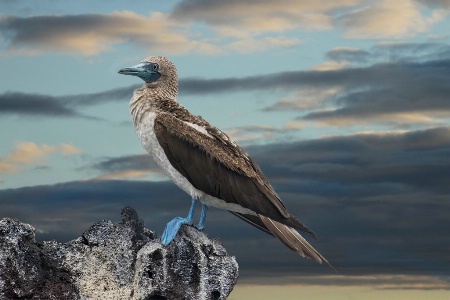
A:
(173, 226)
(172, 229)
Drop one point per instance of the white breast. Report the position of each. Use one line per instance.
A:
(146, 133)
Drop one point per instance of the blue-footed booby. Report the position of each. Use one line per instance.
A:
(204, 162)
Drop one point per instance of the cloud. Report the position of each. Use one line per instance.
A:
(122, 175)
(117, 94)
(360, 90)
(435, 3)
(233, 29)
(330, 65)
(345, 54)
(29, 153)
(417, 95)
(250, 45)
(400, 159)
(266, 16)
(388, 19)
(394, 52)
(141, 162)
(360, 19)
(411, 52)
(127, 167)
(362, 93)
(257, 134)
(32, 104)
(68, 149)
(304, 99)
(378, 201)
(90, 34)
(44, 106)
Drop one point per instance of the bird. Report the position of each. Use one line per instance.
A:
(205, 162)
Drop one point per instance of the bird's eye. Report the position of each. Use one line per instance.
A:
(155, 67)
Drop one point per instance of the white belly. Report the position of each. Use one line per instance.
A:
(146, 133)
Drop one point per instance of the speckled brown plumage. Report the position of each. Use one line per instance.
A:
(210, 161)
(220, 168)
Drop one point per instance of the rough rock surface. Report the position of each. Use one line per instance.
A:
(113, 261)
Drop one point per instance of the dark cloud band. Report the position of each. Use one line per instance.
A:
(379, 204)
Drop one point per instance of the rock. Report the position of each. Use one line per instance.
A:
(114, 261)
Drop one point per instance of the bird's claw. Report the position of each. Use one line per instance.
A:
(200, 226)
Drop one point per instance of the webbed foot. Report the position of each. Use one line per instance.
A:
(172, 229)
(173, 226)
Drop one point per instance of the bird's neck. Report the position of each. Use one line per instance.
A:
(149, 99)
(166, 88)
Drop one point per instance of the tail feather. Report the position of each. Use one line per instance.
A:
(286, 234)
(291, 238)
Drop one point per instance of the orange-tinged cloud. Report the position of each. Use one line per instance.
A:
(29, 153)
(121, 175)
(394, 119)
(256, 17)
(68, 149)
(331, 65)
(91, 34)
(389, 19)
(236, 25)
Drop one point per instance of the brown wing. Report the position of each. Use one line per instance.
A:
(220, 168)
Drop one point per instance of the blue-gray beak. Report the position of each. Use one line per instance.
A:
(145, 70)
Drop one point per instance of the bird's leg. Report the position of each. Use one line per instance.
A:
(173, 226)
(201, 223)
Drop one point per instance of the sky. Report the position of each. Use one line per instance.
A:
(344, 105)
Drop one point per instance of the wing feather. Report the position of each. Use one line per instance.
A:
(215, 165)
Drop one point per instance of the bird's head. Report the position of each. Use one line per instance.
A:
(157, 72)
